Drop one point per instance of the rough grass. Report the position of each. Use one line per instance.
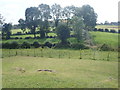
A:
(63, 53)
(69, 73)
(105, 38)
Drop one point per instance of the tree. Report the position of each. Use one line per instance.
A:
(63, 33)
(32, 15)
(6, 30)
(78, 27)
(43, 26)
(45, 15)
(22, 24)
(45, 11)
(88, 14)
(56, 13)
(1, 19)
(68, 12)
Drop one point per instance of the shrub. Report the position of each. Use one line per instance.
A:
(25, 45)
(118, 31)
(112, 31)
(105, 47)
(36, 44)
(16, 38)
(20, 37)
(6, 45)
(95, 29)
(106, 30)
(60, 45)
(18, 33)
(0, 45)
(28, 37)
(79, 46)
(14, 45)
(101, 30)
(48, 44)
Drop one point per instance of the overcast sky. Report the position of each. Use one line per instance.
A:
(13, 10)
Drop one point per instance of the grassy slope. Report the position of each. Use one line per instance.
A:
(107, 38)
(69, 73)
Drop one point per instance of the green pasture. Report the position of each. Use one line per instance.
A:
(105, 38)
(88, 54)
(108, 27)
(14, 31)
(66, 73)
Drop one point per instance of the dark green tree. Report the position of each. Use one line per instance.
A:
(68, 12)
(6, 30)
(32, 15)
(22, 24)
(45, 15)
(78, 27)
(56, 12)
(63, 32)
(1, 19)
(88, 14)
(45, 11)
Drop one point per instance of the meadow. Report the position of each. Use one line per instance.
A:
(89, 68)
(108, 27)
(66, 73)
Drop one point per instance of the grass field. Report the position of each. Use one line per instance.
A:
(108, 27)
(105, 38)
(88, 54)
(67, 73)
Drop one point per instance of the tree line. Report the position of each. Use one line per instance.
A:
(78, 19)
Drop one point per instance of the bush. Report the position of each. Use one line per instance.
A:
(28, 37)
(60, 45)
(106, 30)
(14, 45)
(101, 30)
(118, 31)
(48, 44)
(18, 33)
(95, 29)
(36, 44)
(6, 45)
(25, 45)
(20, 37)
(79, 46)
(105, 47)
(0, 45)
(112, 31)
(16, 38)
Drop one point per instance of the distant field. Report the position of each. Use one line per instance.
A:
(14, 31)
(108, 27)
(67, 73)
(105, 38)
(99, 38)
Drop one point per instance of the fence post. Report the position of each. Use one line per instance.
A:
(108, 56)
(9, 52)
(80, 54)
(94, 54)
(69, 54)
(16, 53)
(34, 53)
(59, 54)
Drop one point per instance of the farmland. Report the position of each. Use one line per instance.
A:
(67, 73)
(90, 68)
(58, 47)
(108, 27)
